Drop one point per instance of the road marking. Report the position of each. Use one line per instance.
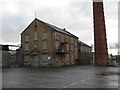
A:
(75, 83)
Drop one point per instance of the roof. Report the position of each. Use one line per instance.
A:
(82, 43)
(4, 47)
(54, 27)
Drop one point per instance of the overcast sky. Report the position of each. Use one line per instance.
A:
(74, 15)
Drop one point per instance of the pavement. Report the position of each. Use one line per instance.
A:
(80, 76)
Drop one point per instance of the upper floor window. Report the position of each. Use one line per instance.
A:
(56, 45)
(76, 43)
(62, 37)
(72, 48)
(44, 35)
(68, 47)
(27, 38)
(71, 39)
(35, 35)
(67, 38)
(72, 57)
(26, 46)
(56, 35)
(45, 44)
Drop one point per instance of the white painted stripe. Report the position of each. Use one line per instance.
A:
(76, 83)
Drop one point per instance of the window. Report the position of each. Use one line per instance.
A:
(68, 57)
(44, 35)
(35, 35)
(56, 35)
(27, 38)
(67, 38)
(56, 45)
(26, 46)
(71, 47)
(67, 47)
(26, 58)
(63, 58)
(76, 43)
(76, 53)
(72, 57)
(62, 37)
(56, 57)
(44, 44)
(45, 59)
(71, 40)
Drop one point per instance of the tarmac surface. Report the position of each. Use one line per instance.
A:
(82, 76)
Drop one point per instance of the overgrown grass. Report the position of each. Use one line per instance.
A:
(118, 63)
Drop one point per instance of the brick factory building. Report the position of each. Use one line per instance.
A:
(43, 44)
(85, 55)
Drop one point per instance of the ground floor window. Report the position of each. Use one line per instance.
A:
(26, 58)
(44, 59)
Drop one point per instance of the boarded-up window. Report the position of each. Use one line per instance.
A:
(35, 35)
(45, 44)
(26, 46)
(44, 35)
(27, 38)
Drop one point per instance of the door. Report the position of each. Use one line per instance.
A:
(35, 60)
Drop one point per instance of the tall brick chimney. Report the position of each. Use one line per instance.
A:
(100, 41)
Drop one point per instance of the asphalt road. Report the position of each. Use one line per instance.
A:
(81, 76)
